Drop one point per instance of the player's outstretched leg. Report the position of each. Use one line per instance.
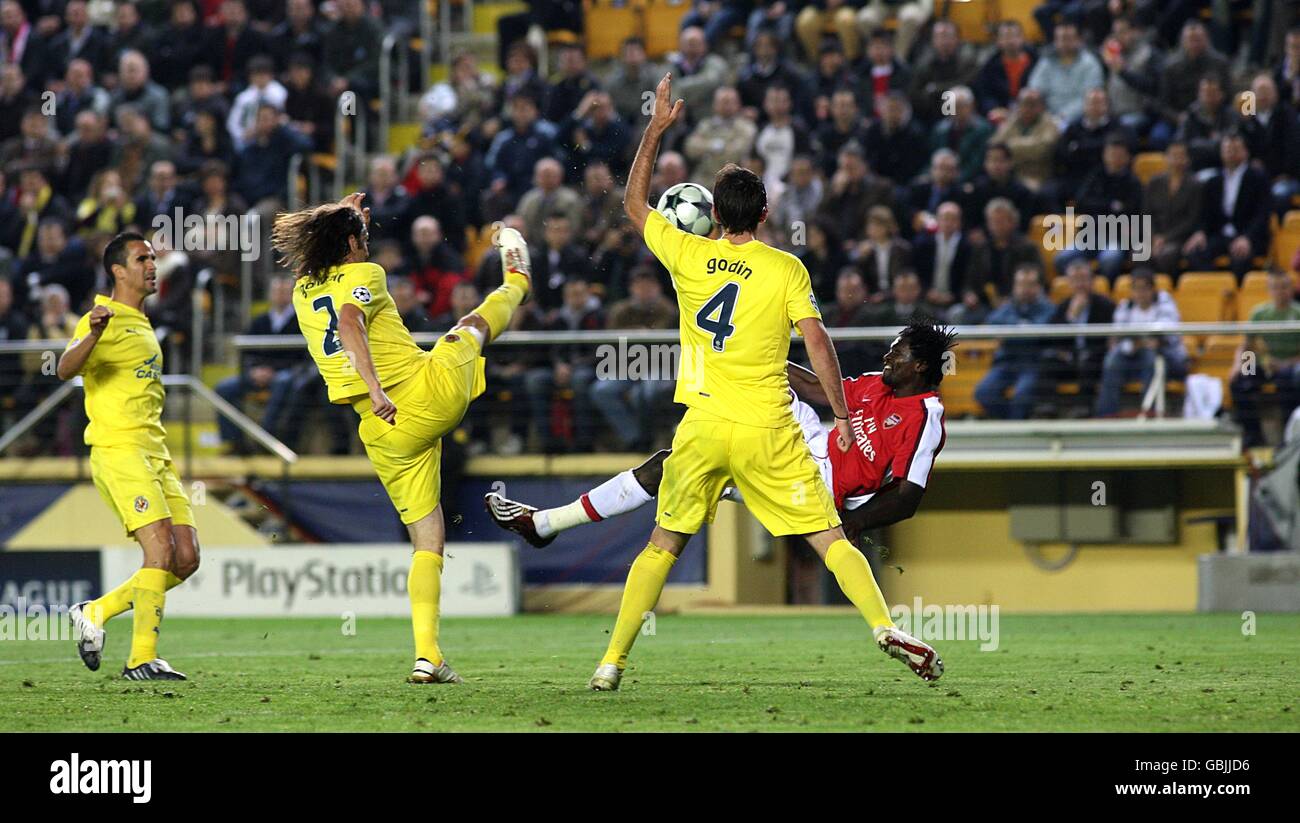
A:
(624, 492)
(492, 316)
(853, 573)
(424, 587)
(645, 582)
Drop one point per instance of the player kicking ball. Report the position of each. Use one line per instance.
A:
(738, 299)
(898, 428)
(407, 398)
(116, 352)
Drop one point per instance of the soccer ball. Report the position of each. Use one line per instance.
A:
(689, 207)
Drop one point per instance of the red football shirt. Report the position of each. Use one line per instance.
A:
(895, 438)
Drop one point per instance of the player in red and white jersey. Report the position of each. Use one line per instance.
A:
(897, 421)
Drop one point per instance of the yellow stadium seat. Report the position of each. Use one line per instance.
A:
(1022, 11)
(1060, 289)
(608, 26)
(1291, 218)
(1124, 286)
(974, 358)
(1205, 296)
(1101, 285)
(973, 19)
(1285, 244)
(1148, 164)
(663, 19)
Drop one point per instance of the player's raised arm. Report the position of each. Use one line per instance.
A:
(806, 384)
(636, 198)
(352, 334)
(821, 353)
(75, 356)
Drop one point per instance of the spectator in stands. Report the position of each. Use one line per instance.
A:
(129, 33)
(1134, 358)
(463, 101)
(853, 191)
(630, 78)
(37, 201)
(1204, 123)
(619, 253)
(14, 325)
(1079, 150)
(848, 308)
(34, 145)
(845, 125)
(669, 171)
(301, 32)
(208, 141)
(1272, 136)
(1267, 358)
(262, 89)
(1287, 74)
(57, 324)
(79, 94)
(946, 64)
(308, 105)
(181, 45)
(1078, 360)
(882, 72)
(137, 147)
(942, 184)
(548, 196)
(782, 137)
(22, 45)
(769, 67)
(1133, 64)
(1173, 199)
(1017, 365)
(262, 167)
(882, 254)
(1004, 73)
(965, 132)
(568, 368)
(434, 265)
(276, 372)
(912, 15)
(896, 143)
(813, 19)
(414, 314)
(594, 133)
(1111, 191)
(522, 77)
(237, 42)
(15, 98)
(829, 76)
(716, 18)
(386, 199)
(997, 180)
(1031, 136)
(943, 257)
(513, 155)
(351, 51)
(602, 204)
(107, 206)
(1063, 71)
(87, 152)
(1234, 212)
(558, 260)
(80, 41)
(433, 195)
(164, 194)
(137, 89)
(906, 303)
(630, 406)
(824, 257)
(216, 200)
(573, 83)
(797, 205)
(1181, 78)
(995, 260)
(55, 260)
(464, 298)
(719, 138)
(697, 72)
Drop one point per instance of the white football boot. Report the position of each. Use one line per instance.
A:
(920, 657)
(426, 672)
(605, 679)
(90, 640)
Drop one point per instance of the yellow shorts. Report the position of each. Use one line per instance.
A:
(772, 469)
(407, 455)
(139, 487)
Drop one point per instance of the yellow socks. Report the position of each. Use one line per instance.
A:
(113, 603)
(498, 307)
(148, 596)
(645, 582)
(854, 576)
(424, 585)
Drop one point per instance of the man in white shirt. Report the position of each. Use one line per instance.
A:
(1133, 358)
(262, 88)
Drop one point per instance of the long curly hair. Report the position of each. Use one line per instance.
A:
(313, 241)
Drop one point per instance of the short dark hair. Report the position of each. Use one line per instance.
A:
(928, 343)
(115, 251)
(740, 198)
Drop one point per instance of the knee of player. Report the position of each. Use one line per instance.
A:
(475, 321)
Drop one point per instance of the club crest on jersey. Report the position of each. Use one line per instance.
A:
(141, 504)
(892, 420)
(362, 294)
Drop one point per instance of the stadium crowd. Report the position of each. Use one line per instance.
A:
(906, 167)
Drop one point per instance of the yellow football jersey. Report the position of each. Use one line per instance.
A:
(123, 381)
(737, 304)
(318, 304)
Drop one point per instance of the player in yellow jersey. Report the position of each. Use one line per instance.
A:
(407, 398)
(118, 357)
(738, 299)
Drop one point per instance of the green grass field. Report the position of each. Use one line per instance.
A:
(697, 673)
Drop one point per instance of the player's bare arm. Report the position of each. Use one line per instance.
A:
(74, 359)
(636, 199)
(352, 334)
(805, 384)
(826, 364)
(885, 508)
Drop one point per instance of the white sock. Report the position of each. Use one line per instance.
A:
(618, 495)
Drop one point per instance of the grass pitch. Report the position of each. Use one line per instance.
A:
(696, 673)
